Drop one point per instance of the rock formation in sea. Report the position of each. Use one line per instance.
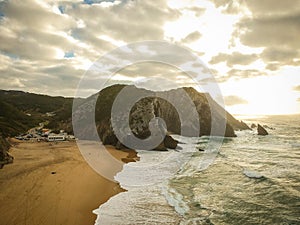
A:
(267, 127)
(261, 130)
(145, 110)
(253, 125)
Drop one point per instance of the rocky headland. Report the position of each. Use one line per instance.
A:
(212, 118)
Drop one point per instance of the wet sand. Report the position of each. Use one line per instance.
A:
(51, 184)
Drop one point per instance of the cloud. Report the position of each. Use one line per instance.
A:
(234, 100)
(275, 26)
(271, 31)
(297, 88)
(240, 74)
(275, 57)
(273, 66)
(279, 54)
(279, 35)
(258, 7)
(45, 45)
(237, 74)
(263, 7)
(234, 59)
(198, 11)
(133, 21)
(228, 6)
(194, 36)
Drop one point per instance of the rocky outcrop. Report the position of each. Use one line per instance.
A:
(267, 127)
(261, 130)
(253, 125)
(5, 158)
(212, 118)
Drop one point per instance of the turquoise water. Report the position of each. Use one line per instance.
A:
(253, 180)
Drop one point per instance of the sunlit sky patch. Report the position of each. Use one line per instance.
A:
(251, 47)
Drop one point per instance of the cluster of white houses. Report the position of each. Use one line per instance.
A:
(45, 135)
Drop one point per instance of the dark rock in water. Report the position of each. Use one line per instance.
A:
(253, 125)
(229, 132)
(261, 130)
(201, 150)
(267, 127)
(161, 147)
(244, 126)
(179, 148)
(170, 142)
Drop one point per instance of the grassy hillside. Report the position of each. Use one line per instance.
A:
(14, 121)
(15, 106)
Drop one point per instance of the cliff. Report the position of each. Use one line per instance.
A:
(5, 158)
(146, 109)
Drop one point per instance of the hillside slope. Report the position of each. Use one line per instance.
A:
(148, 108)
(20, 111)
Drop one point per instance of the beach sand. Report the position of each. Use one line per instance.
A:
(51, 184)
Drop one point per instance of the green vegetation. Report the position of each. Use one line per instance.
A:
(20, 111)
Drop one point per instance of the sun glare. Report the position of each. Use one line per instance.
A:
(266, 95)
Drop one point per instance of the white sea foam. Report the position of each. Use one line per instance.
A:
(252, 174)
(163, 182)
(175, 199)
(149, 199)
(137, 206)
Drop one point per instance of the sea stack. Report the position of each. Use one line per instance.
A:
(261, 130)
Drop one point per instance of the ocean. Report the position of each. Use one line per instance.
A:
(252, 180)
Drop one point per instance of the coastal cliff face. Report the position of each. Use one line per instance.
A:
(5, 158)
(148, 108)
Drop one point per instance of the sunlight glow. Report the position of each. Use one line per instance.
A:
(266, 95)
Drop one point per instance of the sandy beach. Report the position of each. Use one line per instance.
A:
(51, 184)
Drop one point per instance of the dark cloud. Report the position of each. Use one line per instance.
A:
(34, 15)
(194, 36)
(277, 54)
(37, 35)
(270, 7)
(275, 57)
(239, 74)
(272, 24)
(275, 26)
(133, 21)
(234, 100)
(236, 58)
(273, 66)
(271, 31)
(258, 7)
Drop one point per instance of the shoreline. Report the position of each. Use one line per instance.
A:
(51, 184)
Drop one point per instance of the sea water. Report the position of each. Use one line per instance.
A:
(252, 180)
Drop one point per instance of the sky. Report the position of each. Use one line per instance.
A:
(251, 48)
